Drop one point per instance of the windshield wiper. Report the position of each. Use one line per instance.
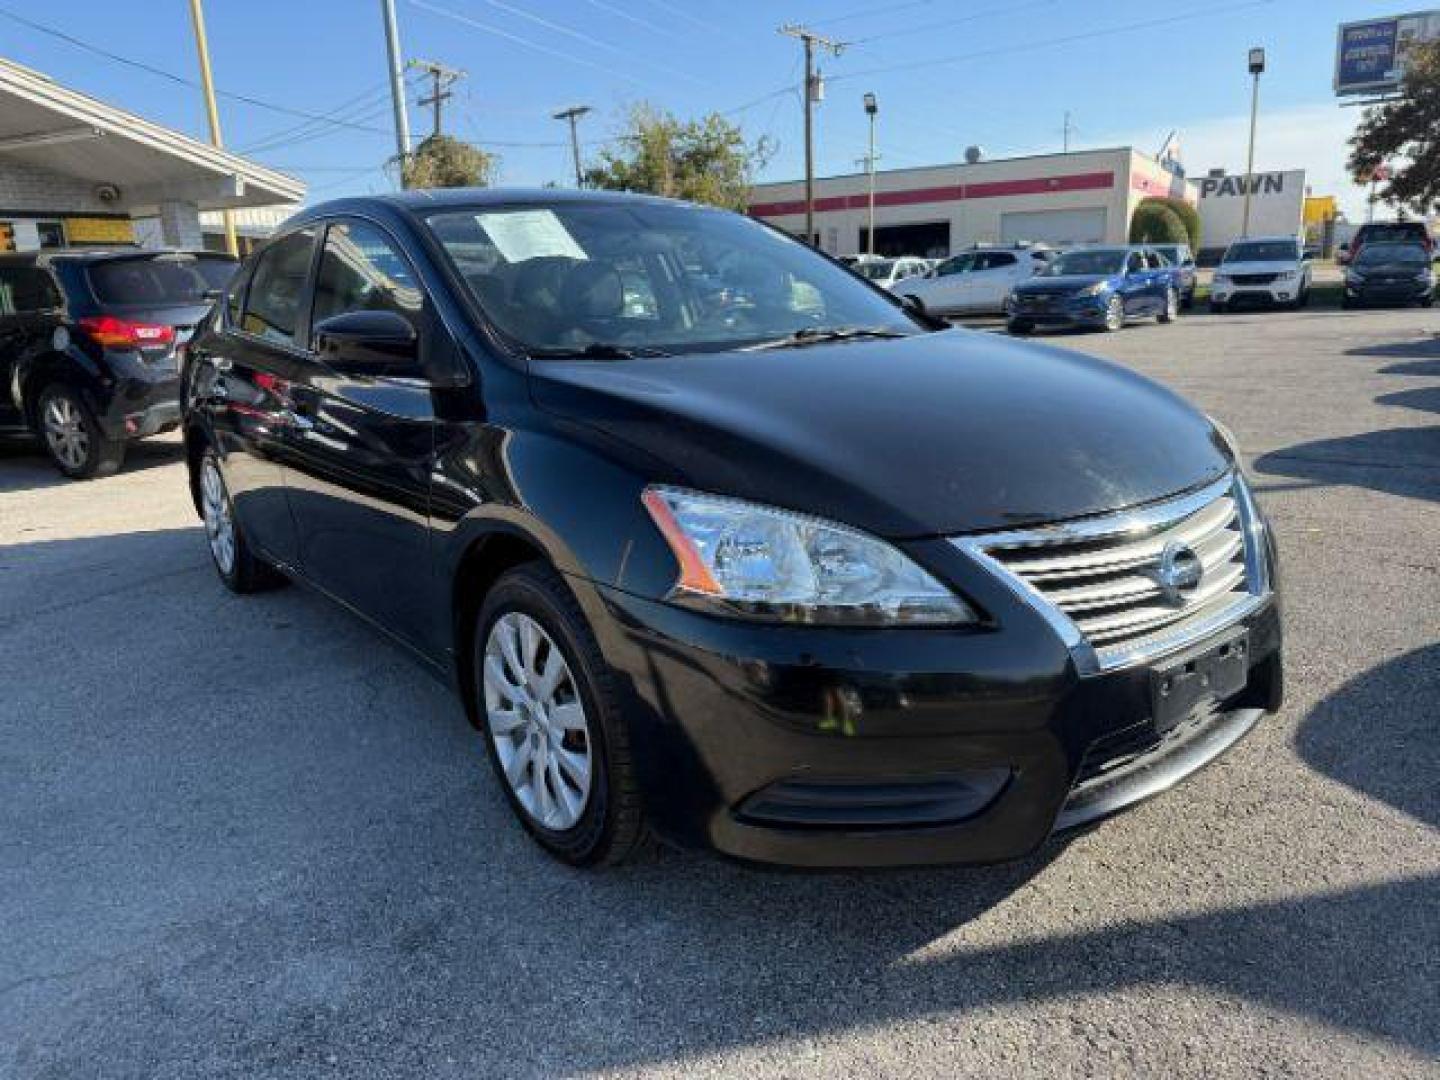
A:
(812, 335)
(598, 350)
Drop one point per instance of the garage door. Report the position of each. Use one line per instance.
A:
(1054, 226)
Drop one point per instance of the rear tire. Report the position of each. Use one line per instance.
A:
(1429, 301)
(73, 437)
(515, 702)
(240, 568)
(1217, 307)
(1019, 327)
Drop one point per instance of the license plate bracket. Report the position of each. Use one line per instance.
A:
(1217, 671)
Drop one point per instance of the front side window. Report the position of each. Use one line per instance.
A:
(563, 277)
(25, 290)
(272, 303)
(1086, 263)
(362, 270)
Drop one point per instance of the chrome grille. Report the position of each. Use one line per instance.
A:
(1100, 579)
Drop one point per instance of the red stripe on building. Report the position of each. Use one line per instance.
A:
(993, 189)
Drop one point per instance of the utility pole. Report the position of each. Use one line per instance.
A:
(813, 91)
(397, 86)
(872, 106)
(207, 82)
(1257, 65)
(1067, 129)
(573, 114)
(441, 78)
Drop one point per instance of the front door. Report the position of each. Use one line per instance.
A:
(360, 453)
(30, 310)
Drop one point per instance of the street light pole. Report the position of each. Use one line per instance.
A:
(397, 85)
(871, 108)
(207, 82)
(573, 114)
(1257, 65)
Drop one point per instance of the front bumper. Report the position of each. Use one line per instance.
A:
(1276, 292)
(1404, 292)
(1058, 311)
(823, 748)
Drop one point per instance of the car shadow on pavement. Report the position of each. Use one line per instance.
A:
(1396, 461)
(275, 849)
(1420, 348)
(25, 467)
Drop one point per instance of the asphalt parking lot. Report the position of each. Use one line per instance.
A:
(246, 837)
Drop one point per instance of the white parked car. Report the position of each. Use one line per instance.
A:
(1262, 269)
(975, 282)
(886, 272)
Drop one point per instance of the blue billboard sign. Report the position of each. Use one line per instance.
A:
(1371, 55)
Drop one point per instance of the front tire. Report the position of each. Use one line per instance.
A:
(1171, 310)
(1217, 307)
(240, 568)
(73, 437)
(552, 721)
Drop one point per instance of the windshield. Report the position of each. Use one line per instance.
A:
(876, 271)
(158, 280)
(639, 276)
(1393, 253)
(1087, 263)
(1263, 251)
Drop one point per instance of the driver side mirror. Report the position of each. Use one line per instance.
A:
(368, 343)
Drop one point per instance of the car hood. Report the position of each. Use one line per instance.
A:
(941, 433)
(1272, 267)
(1397, 268)
(1060, 283)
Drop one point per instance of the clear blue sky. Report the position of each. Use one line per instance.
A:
(1004, 74)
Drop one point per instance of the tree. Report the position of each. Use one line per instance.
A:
(705, 160)
(1404, 135)
(1189, 221)
(1156, 223)
(441, 161)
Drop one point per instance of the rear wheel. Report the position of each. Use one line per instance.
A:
(1115, 314)
(552, 721)
(1217, 307)
(1171, 309)
(239, 567)
(1020, 327)
(73, 437)
(1429, 301)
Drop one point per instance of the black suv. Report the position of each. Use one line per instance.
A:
(716, 537)
(89, 346)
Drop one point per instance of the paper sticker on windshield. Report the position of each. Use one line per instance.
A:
(530, 234)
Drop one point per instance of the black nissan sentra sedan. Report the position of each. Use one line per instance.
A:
(721, 543)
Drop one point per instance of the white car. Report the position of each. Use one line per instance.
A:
(975, 282)
(1264, 269)
(886, 272)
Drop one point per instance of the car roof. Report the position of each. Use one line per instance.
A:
(424, 200)
(96, 255)
(1282, 239)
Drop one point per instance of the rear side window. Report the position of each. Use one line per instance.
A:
(24, 289)
(998, 260)
(272, 303)
(157, 281)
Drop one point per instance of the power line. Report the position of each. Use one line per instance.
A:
(871, 11)
(977, 16)
(348, 109)
(179, 80)
(633, 18)
(441, 79)
(708, 27)
(915, 65)
(518, 40)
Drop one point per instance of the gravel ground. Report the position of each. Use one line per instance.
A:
(247, 838)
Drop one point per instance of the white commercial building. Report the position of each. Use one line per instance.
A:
(1277, 207)
(75, 171)
(1082, 197)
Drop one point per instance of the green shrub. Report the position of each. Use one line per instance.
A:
(1156, 223)
(1188, 215)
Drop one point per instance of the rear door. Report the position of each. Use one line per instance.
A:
(995, 275)
(241, 376)
(360, 452)
(30, 310)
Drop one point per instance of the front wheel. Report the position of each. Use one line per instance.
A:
(73, 437)
(1171, 309)
(552, 721)
(240, 569)
(1429, 301)
(1217, 307)
(1115, 314)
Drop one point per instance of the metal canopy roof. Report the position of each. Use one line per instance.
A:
(47, 126)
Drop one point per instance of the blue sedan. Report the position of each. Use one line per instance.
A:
(1096, 287)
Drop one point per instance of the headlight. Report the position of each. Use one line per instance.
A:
(1425, 277)
(1220, 279)
(1094, 290)
(1285, 275)
(738, 558)
(1354, 277)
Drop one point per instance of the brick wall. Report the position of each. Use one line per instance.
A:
(25, 188)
